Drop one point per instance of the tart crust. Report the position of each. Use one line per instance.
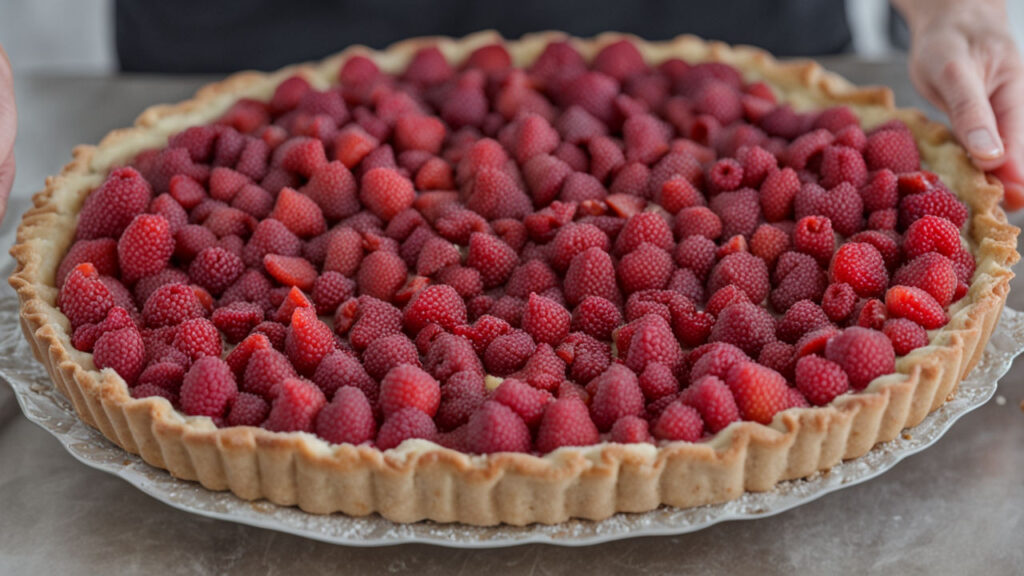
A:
(421, 480)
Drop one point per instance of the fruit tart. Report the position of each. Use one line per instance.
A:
(486, 281)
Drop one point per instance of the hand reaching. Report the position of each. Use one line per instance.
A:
(8, 129)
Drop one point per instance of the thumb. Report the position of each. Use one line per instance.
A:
(962, 92)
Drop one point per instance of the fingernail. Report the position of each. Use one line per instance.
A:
(982, 144)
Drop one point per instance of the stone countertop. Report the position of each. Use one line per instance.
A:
(956, 508)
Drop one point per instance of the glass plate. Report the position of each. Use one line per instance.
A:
(45, 406)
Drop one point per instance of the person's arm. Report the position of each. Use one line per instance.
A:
(8, 129)
(963, 59)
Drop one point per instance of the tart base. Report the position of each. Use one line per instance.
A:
(420, 480)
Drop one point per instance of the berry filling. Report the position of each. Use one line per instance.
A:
(514, 260)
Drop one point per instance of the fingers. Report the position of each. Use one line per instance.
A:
(8, 130)
(6, 180)
(1008, 105)
(962, 91)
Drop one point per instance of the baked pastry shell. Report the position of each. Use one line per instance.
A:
(421, 480)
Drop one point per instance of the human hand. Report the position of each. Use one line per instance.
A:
(8, 129)
(963, 59)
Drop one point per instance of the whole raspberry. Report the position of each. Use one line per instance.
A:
(84, 298)
(494, 259)
(646, 138)
(122, 351)
(527, 402)
(508, 352)
(838, 302)
(802, 317)
(882, 220)
(658, 381)
(495, 194)
(330, 290)
(248, 410)
(678, 422)
(697, 221)
(403, 425)
(533, 276)
(591, 273)
(436, 254)
(333, 188)
(274, 331)
(509, 309)
(166, 375)
(385, 353)
(744, 325)
(884, 242)
(842, 164)
(461, 395)
(769, 242)
(237, 319)
(652, 342)
(295, 406)
(270, 237)
(448, 354)
(208, 389)
(339, 369)
(712, 399)
(372, 319)
(940, 203)
(743, 270)
(566, 422)
(545, 320)
(645, 268)
(861, 266)
(820, 380)
(630, 430)
(108, 210)
(385, 192)
(308, 340)
(573, 239)
(238, 358)
(843, 206)
(617, 395)
(760, 392)
(348, 419)
(299, 213)
(880, 191)
(145, 247)
(931, 234)
(864, 354)
(906, 335)
(714, 359)
(197, 338)
(381, 274)
(870, 313)
(170, 305)
(597, 317)
(215, 269)
(440, 304)
(892, 149)
(916, 305)
(544, 370)
(931, 272)
(739, 211)
(344, 251)
(101, 253)
(813, 236)
(777, 193)
(407, 386)
(780, 357)
(494, 427)
(725, 175)
(264, 370)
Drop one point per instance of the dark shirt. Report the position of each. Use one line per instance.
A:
(184, 36)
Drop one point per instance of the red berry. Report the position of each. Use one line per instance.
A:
(906, 335)
(308, 340)
(84, 298)
(299, 213)
(861, 266)
(494, 427)
(760, 392)
(208, 389)
(864, 355)
(508, 352)
(566, 422)
(678, 422)
(407, 386)
(916, 305)
(714, 401)
(109, 209)
(745, 325)
(145, 247)
(647, 267)
(892, 149)
(381, 274)
(617, 395)
(403, 425)
(820, 380)
(122, 351)
(198, 337)
(295, 406)
(494, 259)
(383, 354)
(386, 192)
(743, 270)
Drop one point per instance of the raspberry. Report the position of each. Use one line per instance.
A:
(84, 337)
(769, 242)
(713, 400)
(597, 317)
(248, 410)
(905, 335)
(802, 317)
(931, 234)
(963, 263)
(574, 239)
(759, 392)
(697, 254)
(208, 388)
(333, 188)
(383, 354)
(508, 352)
(299, 213)
(344, 251)
(657, 381)
(327, 103)
(440, 304)
(496, 428)
(797, 277)
(290, 270)
(165, 375)
(617, 395)
(777, 194)
(494, 259)
(885, 243)
(527, 402)
(932, 203)
(646, 138)
(718, 100)
(419, 132)
(820, 380)
(170, 305)
(407, 386)
(347, 419)
(215, 269)
(631, 181)
(606, 157)
(237, 319)
(385, 192)
(838, 302)
(238, 358)
(436, 254)
(580, 187)
(931, 272)
(270, 237)
(381, 274)
(594, 92)
(109, 209)
(805, 151)
(198, 337)
(186, 191)
(544, 369)
(449, 354)
(486, 329)
(338, 370)
(746, 326)
(916, 305)
(190, 240)
(225, 183)
(495, 194)
(226, 221)
(404, 425)
(678, 422)
(882, 220)
(779, 356)
(630, 430)
(252, 160)
(590, 273)
(308, 340)
(577, 126)
(864, 354)
(647, 267)
(122, 351)
(352, 144)
(509, 309)
(566, 422)
(274, 331)
(743, 270)
(290, 299)
(861, 266)
(739, 211)
(725, 175)
(585, 356)
(678, 194)
(620, 60)
(545, 320)
(649, 227)
(164, 205)
(288, 94)
(330, 290)
(533, 276)
(295, 406)
(653, 341)
(892, 149)
(842, 164)
(880, 191)
(870, 313)
(84, 298)
(145, 247)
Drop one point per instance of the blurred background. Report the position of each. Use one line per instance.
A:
(77, 36)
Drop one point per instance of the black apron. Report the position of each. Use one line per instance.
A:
(191, 36)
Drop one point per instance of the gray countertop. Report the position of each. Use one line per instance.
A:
(956, 508)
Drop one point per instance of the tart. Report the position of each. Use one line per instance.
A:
(486, 281)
